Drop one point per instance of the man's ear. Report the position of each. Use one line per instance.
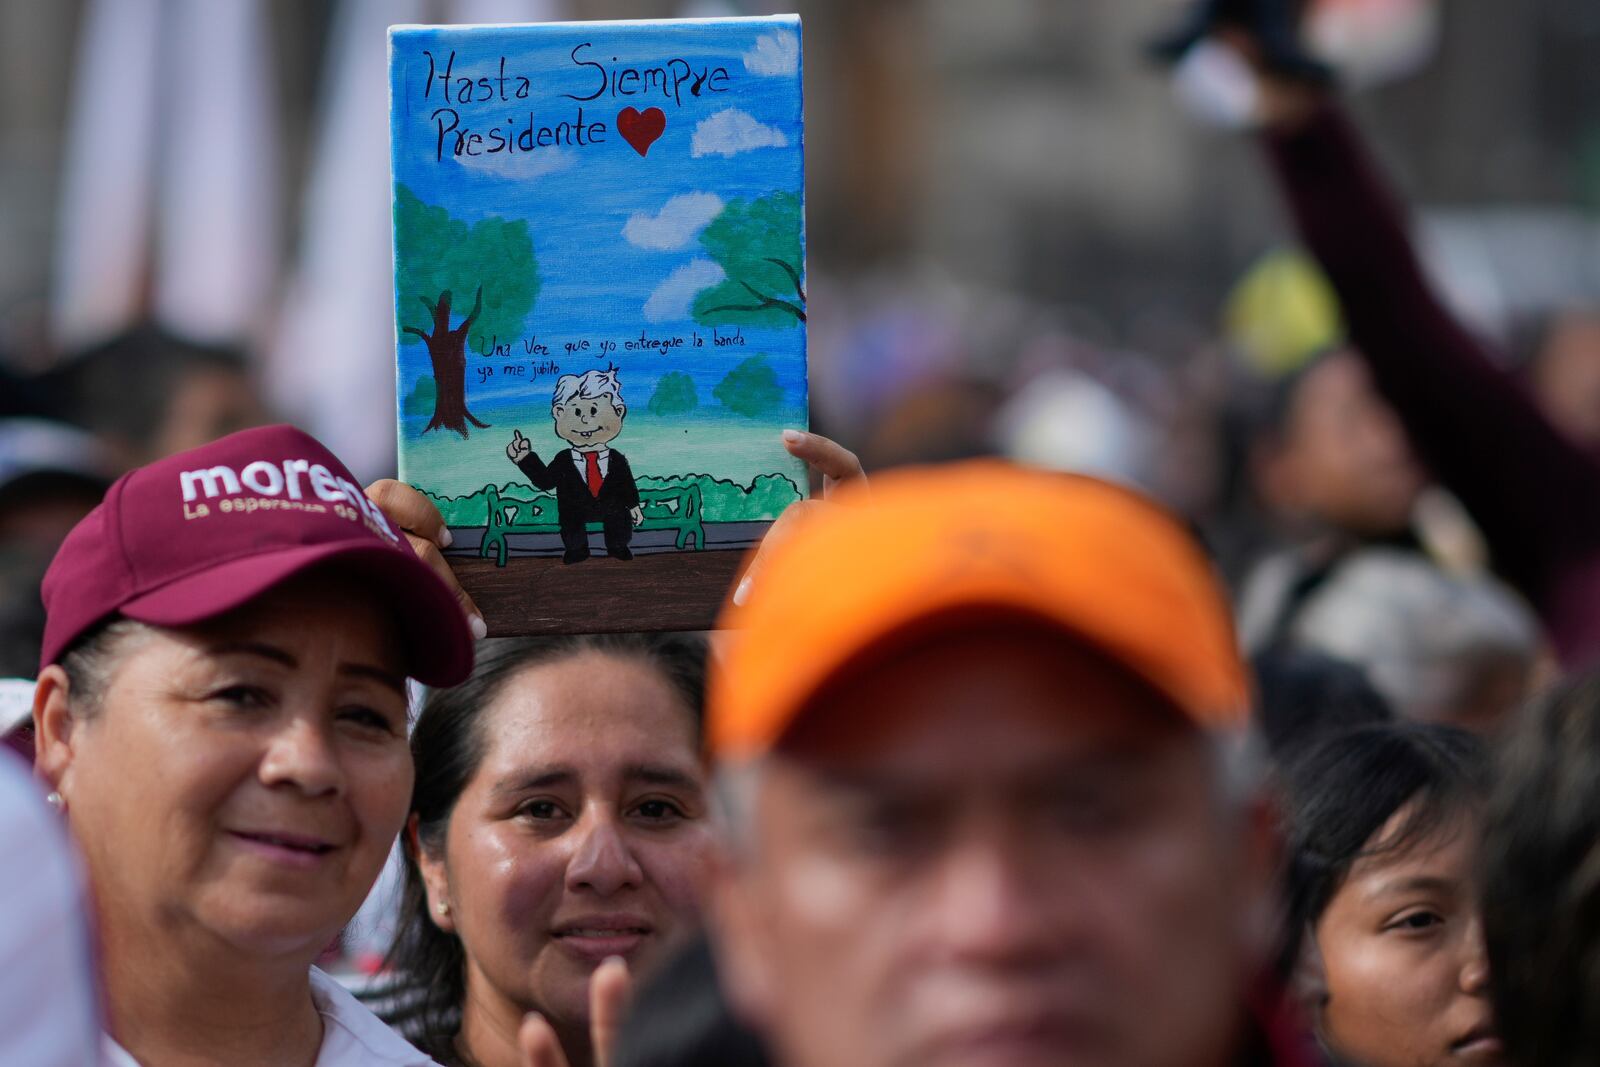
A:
(435, 879)
(54, 728)
(734, 921)
(1261, 876)
(555, 411)
(1308, 984)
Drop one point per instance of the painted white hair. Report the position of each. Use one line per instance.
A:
(590, 385)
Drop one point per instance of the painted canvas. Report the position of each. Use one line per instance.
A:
(600, 307)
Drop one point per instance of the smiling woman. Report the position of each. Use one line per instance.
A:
(559, 820)
(221, 711)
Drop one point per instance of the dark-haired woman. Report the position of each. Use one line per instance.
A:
(1390, 965)
(559, 819)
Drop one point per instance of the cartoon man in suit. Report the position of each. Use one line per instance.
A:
(592, 481)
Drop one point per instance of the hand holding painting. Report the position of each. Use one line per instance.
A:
(424, 528)
(836, 465)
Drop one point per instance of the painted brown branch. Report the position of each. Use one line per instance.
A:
(472, 316)
(794, 276)
(767, 304)
(419, 333)
(774, 302)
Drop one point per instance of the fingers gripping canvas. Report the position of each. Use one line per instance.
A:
(600, 307)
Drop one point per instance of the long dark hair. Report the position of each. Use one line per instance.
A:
(1343, 791)
(447, 745)
(1541, 896)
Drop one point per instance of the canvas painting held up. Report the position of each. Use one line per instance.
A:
(600, 307)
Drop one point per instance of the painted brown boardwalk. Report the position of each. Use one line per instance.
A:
(542, 595)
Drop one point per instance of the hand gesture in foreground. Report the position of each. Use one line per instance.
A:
(608, 999)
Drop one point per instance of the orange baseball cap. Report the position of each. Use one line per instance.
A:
(936, 546)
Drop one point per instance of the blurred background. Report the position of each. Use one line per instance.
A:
(1020, 241)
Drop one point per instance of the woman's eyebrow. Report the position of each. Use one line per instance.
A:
(388, 679)
(656, 774)
(1419, 883)
(255, 648)
(534, 779)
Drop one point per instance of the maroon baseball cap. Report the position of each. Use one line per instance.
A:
(203, 532)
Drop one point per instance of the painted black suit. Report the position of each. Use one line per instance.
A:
(575, 505)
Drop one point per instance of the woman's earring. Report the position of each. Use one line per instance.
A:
(443, 907)
(56, 800)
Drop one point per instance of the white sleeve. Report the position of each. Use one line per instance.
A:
(48, 999)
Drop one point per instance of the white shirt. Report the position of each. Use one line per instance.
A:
(48, 1016)
(583, 465)
(351, 1035)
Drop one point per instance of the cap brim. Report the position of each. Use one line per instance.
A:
(910, 624)
(437, 641)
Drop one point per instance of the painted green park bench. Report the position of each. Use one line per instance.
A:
(677, 510)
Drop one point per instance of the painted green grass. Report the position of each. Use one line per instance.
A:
(720, 500)
(711, 443)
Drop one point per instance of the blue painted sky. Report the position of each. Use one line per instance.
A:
(610, 261)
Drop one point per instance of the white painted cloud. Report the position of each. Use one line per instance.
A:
(674, 297)
(517, 166)
(727, 133)
(774, 53)
(675, 225)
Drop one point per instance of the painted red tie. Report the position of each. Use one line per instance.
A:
(591, 463)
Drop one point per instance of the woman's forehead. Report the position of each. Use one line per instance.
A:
(334, 618)
(1410, 841)
(594, 712)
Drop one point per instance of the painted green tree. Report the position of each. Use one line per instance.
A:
(750, 389)
(438, 256)
(757, 245)
(422, 398)
(674, 395)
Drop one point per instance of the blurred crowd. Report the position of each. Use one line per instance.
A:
(1232, 701)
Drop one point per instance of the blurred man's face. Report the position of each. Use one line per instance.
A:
(992, 849)
(1343, 459)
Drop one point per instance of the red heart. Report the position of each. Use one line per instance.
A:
(641, 129)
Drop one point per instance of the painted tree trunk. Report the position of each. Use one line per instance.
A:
(447, 349)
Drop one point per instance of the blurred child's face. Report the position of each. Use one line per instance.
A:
(587, 423)
(1401, 946)
(1343, 459)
